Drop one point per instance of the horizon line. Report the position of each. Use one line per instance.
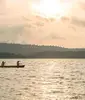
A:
(42, 45)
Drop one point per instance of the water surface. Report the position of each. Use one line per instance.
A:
(43, 79)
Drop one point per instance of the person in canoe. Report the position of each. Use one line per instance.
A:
(18, 63)
(3, 63)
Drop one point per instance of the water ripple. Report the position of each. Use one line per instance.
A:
(44, 79)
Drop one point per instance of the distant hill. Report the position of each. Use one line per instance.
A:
(35, 51)
(27, 49)
(59, 54)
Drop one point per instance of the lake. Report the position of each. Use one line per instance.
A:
(43, 79)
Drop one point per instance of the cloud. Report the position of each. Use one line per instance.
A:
(76, 14)
(78, 22)
(82, 5)
(10, 33)
(64, 18)
(74, 20)
(2, 7)
(53, 36)
(10, 29)
(1, 13)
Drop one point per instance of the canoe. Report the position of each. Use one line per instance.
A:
(12, 66)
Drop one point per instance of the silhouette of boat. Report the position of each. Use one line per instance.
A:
(18, 65)
(12, 66)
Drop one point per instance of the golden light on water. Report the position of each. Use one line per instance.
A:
(52, 8)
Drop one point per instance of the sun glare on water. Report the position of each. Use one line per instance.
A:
(52, 8)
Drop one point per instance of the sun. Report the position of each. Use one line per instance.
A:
(51, 8)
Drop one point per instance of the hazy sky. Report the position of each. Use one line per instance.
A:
(37, 22)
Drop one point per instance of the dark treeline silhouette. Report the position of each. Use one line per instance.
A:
(10, 55)
(59, 54)
(36, 51)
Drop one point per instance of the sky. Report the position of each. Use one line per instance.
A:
(60, 22)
